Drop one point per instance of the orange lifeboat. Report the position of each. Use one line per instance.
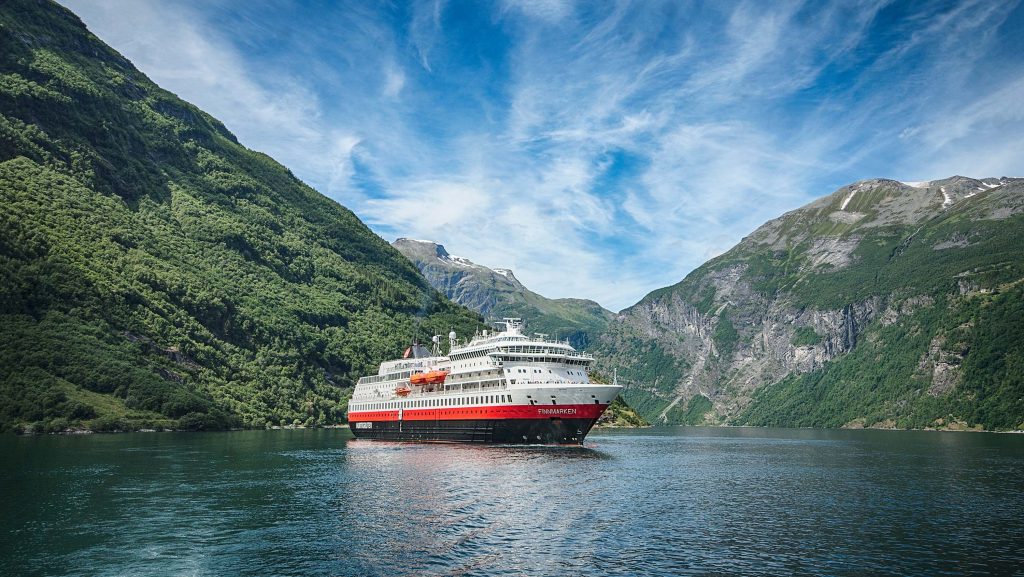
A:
(403, 391)
(428, 378)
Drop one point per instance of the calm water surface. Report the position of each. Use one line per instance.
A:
(679, 501)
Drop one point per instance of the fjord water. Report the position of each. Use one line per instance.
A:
(675, 501)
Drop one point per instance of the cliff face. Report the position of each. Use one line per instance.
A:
(862, 308)
(497, 293)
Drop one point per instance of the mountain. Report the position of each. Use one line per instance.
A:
(155, 273)
(497, 293)
(884, 304)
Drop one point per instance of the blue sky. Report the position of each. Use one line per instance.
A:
(599, 149)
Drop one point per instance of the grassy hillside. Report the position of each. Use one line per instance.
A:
(155, 273)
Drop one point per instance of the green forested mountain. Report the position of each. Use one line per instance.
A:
(497, 293)
(884, 304)
(155, 273)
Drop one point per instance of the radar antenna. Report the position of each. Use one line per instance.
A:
(512, 325)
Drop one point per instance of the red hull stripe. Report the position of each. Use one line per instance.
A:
(494, 412)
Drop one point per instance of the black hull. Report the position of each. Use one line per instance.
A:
(498, 431)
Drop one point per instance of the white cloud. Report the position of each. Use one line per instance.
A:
(393, 83)
(551, 11)
(425, 29)
(341, 160)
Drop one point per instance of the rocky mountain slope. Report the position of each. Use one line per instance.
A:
(497, 293)
(884, 304)
(155, 273)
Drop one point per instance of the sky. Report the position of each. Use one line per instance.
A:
(600, 150)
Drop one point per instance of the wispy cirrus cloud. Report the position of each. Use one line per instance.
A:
(601, 150)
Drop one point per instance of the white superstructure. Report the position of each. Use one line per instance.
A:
(503, 367)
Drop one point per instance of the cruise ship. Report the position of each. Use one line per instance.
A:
(501, 387)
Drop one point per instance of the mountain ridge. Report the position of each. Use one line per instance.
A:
(810, 292)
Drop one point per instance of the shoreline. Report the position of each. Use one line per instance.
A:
(82, 431)
(71, 432)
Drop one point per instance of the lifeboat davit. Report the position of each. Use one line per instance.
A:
(403, 391)
(428, 378)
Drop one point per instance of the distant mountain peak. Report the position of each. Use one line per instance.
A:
(425, 249)
(497, 293)
(422, 248)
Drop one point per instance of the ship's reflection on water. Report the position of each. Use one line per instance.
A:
(456, 508)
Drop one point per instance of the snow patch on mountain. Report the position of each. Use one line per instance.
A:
(848, 198)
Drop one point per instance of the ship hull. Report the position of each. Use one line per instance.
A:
(546, 431)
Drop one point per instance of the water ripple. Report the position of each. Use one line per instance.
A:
(654, 502)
